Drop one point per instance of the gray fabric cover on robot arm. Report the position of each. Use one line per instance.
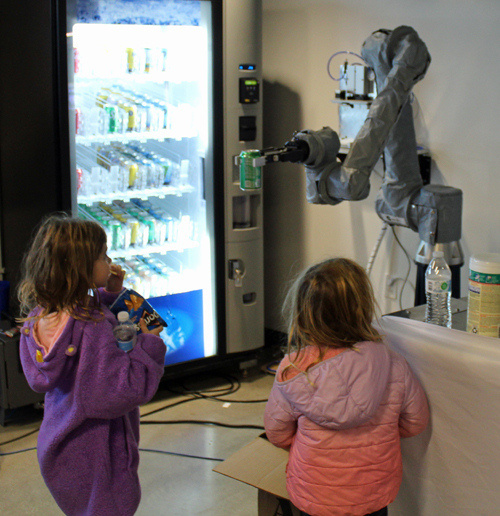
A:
(400, 59)
(401, 56)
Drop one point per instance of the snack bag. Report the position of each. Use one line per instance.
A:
(137, 307)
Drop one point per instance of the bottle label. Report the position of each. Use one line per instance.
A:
(437, 286)
(479, 277)
(126, 345)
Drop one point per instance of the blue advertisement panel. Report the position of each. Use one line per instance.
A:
(183, 314)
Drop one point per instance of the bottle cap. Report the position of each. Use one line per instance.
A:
(437, 254)
(122, 316)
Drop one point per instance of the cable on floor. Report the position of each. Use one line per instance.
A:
(231, 390)
(3, 454)
(20, 437)
(181, 454)
(197, 395)
(272, 367)
(168, 406)
(199, 422)
(234, 387)
(227, 400)
(234, 383)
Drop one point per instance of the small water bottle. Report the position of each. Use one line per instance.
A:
(438, 291)
(125, 333)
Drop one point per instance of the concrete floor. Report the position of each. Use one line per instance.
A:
(171, 485)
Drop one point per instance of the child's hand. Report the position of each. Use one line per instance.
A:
(155, 331)
(115, 280)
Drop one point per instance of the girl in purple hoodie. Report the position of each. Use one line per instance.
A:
(342, 399)
(88, 442)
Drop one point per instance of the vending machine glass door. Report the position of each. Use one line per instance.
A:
(141, 112)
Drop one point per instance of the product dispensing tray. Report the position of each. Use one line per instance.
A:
(458, 313)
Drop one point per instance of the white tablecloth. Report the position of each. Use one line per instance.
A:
(453, 468)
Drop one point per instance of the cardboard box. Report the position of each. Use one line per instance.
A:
(262, 465)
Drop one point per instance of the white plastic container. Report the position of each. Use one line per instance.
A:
(483, 314)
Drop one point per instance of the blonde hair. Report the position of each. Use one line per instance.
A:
(330, 305)
(57, 270)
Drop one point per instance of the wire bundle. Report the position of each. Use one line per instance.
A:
(211, 394)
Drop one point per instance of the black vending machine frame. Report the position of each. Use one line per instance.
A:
(35, 150)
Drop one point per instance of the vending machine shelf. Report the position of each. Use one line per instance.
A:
(136, 78)
(159, 193)
(159, 136)
(153, 249)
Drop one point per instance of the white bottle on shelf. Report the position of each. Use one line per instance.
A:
(438, 291)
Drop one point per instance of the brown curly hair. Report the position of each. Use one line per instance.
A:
(57, 270)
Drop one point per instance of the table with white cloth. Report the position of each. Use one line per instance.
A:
(453, 468)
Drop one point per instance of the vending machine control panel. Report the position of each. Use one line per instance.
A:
(249, 90)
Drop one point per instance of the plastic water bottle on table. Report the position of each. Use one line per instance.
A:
(438, 291)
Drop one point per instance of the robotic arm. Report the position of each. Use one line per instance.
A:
(399, 59)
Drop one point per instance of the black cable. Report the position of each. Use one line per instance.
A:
(235, 385)
(196, 395)
(199, 422)
(231, 390)
(168, 406)
(20, 437)
(232, 381)
(18, 451)
(140, 449)
(180, 454)
(209, 398)
(238, 401)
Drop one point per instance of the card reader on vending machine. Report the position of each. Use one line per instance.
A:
(249, 90)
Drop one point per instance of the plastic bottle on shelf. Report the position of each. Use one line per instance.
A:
(438, 291)
(125, 332)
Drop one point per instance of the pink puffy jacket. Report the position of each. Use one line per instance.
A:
(343, 422)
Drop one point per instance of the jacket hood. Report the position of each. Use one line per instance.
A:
(53, 366)
(344, 391)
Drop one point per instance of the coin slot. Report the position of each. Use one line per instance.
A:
(249, 298)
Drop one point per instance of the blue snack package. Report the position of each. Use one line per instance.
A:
(137, 307)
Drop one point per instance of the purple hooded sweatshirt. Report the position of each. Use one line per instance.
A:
(88, 441)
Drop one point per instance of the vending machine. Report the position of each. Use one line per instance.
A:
(150, 103)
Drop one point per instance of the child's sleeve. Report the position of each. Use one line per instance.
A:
(108, 298)
(113, 382)
(414, 414)
(37, 380)
(279, 419)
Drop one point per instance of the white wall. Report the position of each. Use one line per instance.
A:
(458, 121)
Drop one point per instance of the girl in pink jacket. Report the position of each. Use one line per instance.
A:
(342, 399)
